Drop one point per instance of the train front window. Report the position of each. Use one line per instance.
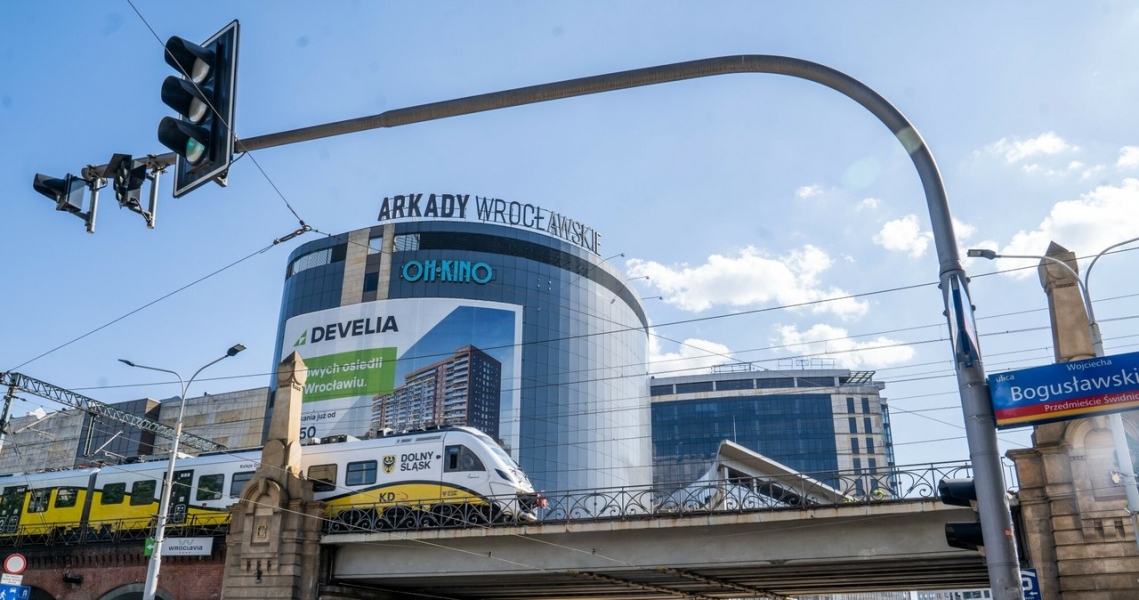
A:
(142, 492)
(461, 458)
(209, 487)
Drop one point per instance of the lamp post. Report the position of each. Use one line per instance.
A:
(1118, 433)
(155, 563)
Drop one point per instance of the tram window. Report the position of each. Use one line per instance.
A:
(461, 458)
(237, 483)
(142, 492)
(209, 487)
(113, 493)
(39, 500)
(65, 497)
(360, 473)
(323, 477)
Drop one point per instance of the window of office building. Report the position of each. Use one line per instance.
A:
(404, 243)
(870, 445)
(735, 384)
(315, 258)
(854, 445)
(853, 424)
(775, 383)
(850, 405)
(375, 244)
(796, 429)
(867, 427)
(695, 386)
(865, 405)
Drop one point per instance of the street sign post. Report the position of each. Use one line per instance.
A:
(1063, 391)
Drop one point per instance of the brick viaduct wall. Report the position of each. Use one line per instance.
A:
(92, 572)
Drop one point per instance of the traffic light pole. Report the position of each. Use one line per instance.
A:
(980, 425)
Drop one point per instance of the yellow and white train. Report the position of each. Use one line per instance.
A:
(451, 476)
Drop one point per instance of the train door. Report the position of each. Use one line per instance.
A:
(180, 496)
(11, 505)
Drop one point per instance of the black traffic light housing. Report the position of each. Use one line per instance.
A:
(203, 94)
(127, 176)
(961, 534)
(67, 193)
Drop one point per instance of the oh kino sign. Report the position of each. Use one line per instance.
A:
(1063, 391)
(459, 271)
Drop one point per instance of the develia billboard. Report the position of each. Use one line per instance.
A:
(356, 354)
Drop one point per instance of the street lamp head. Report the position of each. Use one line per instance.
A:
(126, 362)
(234, 350)
(982, 253)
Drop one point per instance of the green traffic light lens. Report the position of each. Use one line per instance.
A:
(195, 150)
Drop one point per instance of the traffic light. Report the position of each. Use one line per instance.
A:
(203, 95)
(127, 177)
(961, 534)
(67, 193)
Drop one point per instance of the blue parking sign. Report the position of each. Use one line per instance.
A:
(14, 592)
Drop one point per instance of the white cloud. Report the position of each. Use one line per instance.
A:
(868, 203)
(809, 191)
(962, 230)
(904, 235)
(691, 356)
(1015, 150)
(1128, 157)
(1090, 172)
(750, 279)
(833, 342)
(1099, 218)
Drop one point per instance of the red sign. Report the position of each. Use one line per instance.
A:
(15, 564)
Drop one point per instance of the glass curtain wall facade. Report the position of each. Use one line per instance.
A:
(818, 422)
(575, 411)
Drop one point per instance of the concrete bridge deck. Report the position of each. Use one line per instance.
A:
(898, 545)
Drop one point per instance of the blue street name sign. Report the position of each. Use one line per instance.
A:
(14, 592)
(1065, 391)
(1029, 584)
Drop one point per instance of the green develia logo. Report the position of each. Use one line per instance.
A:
(301, 341)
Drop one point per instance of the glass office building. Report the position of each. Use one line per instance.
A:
(368, 308)
(816, 421)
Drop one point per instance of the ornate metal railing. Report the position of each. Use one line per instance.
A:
(783, 492)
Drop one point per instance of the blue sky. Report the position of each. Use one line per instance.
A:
(734, 195)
